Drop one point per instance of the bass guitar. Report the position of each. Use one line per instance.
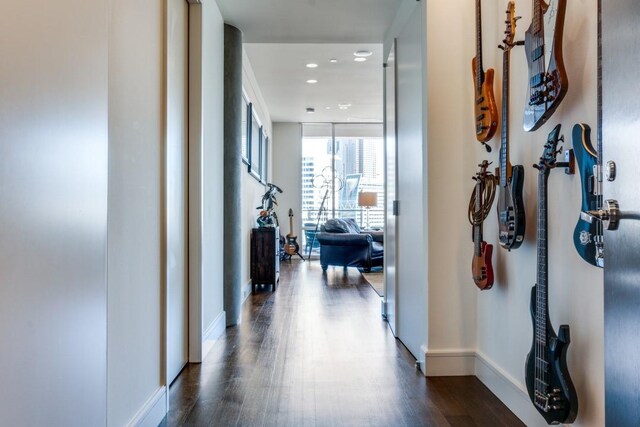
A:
(588, 236)
(511, 217)
(479, 207)
(486, 112)
(548, 83)
(291, 246)
(546, 374)
(588, 233)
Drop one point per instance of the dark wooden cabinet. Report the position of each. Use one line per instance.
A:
(265, 257)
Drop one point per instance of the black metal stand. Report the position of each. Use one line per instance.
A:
(313, 240)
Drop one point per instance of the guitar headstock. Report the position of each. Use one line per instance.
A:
(482, 173)
(549, 155)
(290, 212)
(510, 31)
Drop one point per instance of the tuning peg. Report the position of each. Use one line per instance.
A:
(517, 18)
(500, 47)
(536, 166)
(561, 138)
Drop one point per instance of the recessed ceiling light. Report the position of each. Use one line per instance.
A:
(312, 81)
(344, 106)
(362, 53)
(311, 110)
(327, 108)
(333, 60)
(312, 65)
(359, 59)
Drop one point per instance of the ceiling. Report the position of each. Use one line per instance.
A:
(281, 36)
(310, 21)
(281, 73)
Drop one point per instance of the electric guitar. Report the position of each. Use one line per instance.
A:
(546, 374)
(485, 110)
(291, 246)
(548, 83)
(479, 205)
(511, 217)
(588, 233)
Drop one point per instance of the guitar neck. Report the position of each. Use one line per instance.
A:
(599, 78)
(537, 24)
(542, 296)
(479, 67)
(477, 228)
(505, 169)
(291, 225)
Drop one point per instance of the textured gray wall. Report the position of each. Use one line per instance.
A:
(232, 173)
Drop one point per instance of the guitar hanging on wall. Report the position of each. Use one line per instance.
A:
(485, 110)
(511, 217)
(479, 207)
(548, 81)
(588, 236)
(546, 374)
(588, 233)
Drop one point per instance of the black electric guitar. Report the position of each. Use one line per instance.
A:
(511, 218)
(548, 83)
(291, 246)
(546, 374)
(485, 110)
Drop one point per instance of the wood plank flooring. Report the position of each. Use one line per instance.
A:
(317, 353)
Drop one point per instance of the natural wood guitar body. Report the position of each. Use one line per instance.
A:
(485, 108)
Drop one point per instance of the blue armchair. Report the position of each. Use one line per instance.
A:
(342, 243)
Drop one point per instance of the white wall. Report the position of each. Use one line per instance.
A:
(252, 189)
(135, 288)
(213, 166)
(490, 332)
(53, 215)
(206, 173)
(287, 173)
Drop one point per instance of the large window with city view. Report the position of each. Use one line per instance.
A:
(339, 161)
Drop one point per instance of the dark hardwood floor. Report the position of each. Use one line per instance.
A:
(317, 353)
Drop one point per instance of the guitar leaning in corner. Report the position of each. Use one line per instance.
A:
(548, 83)
(546, 374)
(486, 112)
(479, 207)
(291, 246)
(511, 217)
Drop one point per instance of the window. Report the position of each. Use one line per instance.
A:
(338, 162)
(254, 153)
(246, 113)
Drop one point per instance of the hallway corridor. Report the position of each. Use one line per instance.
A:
(316, 353)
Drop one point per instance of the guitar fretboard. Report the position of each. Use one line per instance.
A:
(479, 68)
(542, 298)
(504, 147)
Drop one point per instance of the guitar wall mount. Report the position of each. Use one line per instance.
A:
(569, 163)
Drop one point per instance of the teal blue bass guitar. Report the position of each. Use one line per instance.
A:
(587, 236)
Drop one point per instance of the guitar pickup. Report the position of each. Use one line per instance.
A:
(536, 80)
(480, 117)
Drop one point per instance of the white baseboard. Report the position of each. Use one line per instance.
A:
(213, 332)
(153, 411)
(508, 390)
(246, 291)
(445, 363)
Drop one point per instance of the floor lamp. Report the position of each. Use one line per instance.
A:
(367, 199)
